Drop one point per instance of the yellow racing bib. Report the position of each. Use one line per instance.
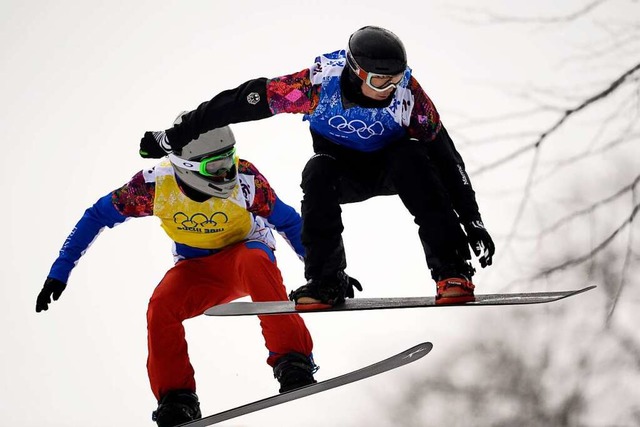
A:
(212, 224)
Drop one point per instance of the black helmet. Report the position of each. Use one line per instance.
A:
(376, 50)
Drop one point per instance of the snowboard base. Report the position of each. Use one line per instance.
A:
(408, 356)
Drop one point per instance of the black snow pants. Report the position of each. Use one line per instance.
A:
(336, 175)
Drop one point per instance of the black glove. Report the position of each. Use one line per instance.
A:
(480, 242)
(52, 288)
(353, 283)
(154, 145)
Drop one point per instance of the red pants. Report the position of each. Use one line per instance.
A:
(194, 285)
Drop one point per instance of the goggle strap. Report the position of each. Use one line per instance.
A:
(183, 163)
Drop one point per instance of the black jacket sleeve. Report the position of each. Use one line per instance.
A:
(245, 103)
(454, 176)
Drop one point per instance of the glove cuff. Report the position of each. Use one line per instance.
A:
(474, 223)
(163, 141)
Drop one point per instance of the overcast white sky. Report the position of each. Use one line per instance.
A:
(82, 81)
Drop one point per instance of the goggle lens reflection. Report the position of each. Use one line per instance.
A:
(219, 166)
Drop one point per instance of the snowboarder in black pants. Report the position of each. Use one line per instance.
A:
(375, 132)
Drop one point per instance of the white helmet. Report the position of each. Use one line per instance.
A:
(208, 164)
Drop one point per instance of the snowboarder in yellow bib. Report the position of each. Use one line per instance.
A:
(218, 210)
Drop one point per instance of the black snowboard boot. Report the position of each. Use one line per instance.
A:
(294, 370)
(177, 407)
(325, 292)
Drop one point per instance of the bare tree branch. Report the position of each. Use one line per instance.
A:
(473, 122)
(507, 137)
(535, 161)
(594, 251)
(567, 114)
(560, 164)
(493, 18)
(578, 213)
(592, 207)
(524, 200)
(524, 386)
(625, 268)
(619, 46)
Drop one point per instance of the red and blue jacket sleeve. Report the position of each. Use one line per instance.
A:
(102, 214)
(288, 223)
(279, 215)
(134, 199)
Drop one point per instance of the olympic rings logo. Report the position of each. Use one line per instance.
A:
(356, 126)
(200, 219)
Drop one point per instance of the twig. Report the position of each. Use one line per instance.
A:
(623, 273)
(594, 251)
(567, 114)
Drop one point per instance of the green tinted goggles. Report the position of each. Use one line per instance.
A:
(217, 166)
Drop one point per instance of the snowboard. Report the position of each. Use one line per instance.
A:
(288, 307)
(408, 356)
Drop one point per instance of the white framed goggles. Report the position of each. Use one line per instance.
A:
(377, 82)
(216, 167)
